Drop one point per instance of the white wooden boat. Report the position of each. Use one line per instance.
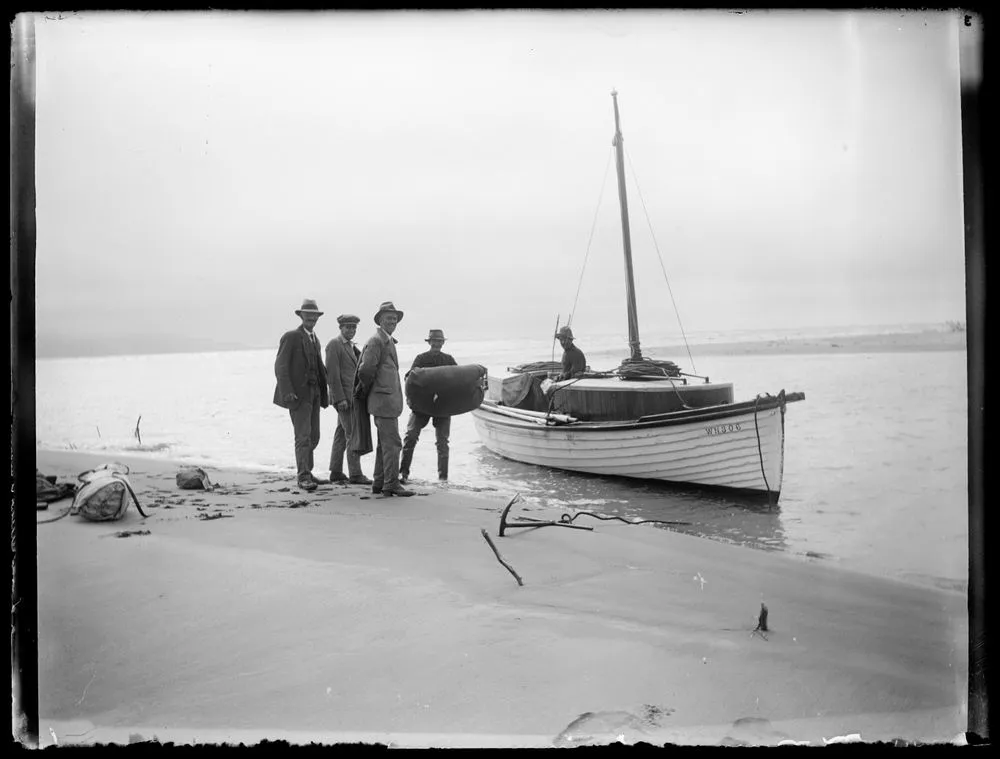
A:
(643, 420)
(738, 446)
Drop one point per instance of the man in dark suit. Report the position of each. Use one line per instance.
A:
(341, 366)
(302, 388)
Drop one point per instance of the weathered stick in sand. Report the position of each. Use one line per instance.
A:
(761, 627)
(137, 429)
(503, 516)
(500, 558)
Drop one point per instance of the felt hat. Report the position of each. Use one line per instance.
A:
(348, 319)
(388, 308)
(564, 332)
(308, 306)
(435, 334)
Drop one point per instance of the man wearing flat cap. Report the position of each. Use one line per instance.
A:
(573, 360)
(302, 388)
(442, 424)
(378, 382)
(341, 366)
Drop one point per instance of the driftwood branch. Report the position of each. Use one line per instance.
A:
(137, 436)
(503, 516)
(529, 523)
(500, 558)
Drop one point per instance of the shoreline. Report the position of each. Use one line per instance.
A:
(888, 342)
(387, 619)
(896, 342)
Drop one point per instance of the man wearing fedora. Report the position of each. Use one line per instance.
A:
(341, 366)
(378, 378)
(302, 388)
(442, 424)
(573, 360)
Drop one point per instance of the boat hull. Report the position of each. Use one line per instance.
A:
(734, 446)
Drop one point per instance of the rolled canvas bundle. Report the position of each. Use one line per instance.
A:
(445, 390)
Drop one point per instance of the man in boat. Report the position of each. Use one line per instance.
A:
(378, 381)
(574, 362)
(442, 424)
(302, 388)
(341, 366)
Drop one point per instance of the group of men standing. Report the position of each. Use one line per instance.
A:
(359, 384)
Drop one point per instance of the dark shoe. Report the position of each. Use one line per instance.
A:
(376, 487)
(443, 477)
(338, 477)
(308, 485)
(360, 480)
(397, 490)
(404, 477)
(317, 481)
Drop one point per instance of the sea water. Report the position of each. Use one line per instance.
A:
(875, 458)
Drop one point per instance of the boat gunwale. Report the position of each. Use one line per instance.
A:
(667, 419)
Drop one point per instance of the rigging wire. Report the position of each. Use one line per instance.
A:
(593, 226)
(635, 179)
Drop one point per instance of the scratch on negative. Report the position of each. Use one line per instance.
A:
(84, 694)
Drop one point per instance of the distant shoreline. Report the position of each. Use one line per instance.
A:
(898, 342)
(927, 340)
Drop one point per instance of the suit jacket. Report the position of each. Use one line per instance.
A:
(378, 376)
(298, 357)
(341, 366)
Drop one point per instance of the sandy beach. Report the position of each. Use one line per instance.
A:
(256, 611)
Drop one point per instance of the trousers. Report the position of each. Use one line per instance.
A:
(387, 450)
(345, 426)
(305, 424)
(442, 430)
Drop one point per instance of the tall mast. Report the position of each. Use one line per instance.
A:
(633, 318)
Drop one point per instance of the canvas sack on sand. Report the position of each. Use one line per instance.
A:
(193, 478)
(105, 494)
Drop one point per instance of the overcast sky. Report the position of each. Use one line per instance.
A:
(199, 174)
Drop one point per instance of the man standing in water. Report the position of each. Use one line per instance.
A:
(573, 360)
(378, 377)
(302, 388)
(341, 366)
(442, 424)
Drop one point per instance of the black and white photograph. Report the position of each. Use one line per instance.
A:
(498, 378)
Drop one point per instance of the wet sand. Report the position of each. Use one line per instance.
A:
(343, 617)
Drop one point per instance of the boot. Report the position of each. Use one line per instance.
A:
(442, 467)
(397, 490)
(404, 465)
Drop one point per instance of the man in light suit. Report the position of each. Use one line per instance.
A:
(341, 366)
(302, 388)
(378, 377)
